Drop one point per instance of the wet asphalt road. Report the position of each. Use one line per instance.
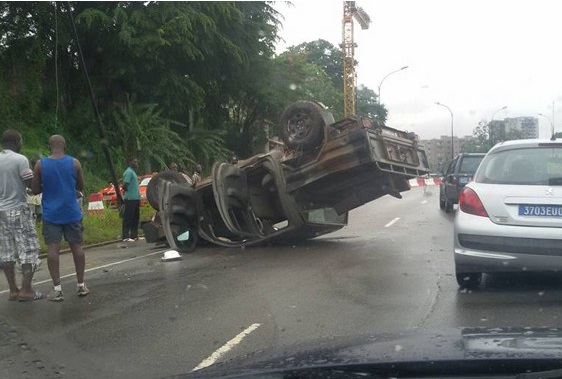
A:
(390, 270)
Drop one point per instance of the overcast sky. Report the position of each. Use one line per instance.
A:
(473, 56)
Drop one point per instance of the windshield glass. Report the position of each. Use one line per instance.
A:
(319, 182)
(538, 166)
(470, 164)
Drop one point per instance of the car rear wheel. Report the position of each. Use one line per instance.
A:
(448, 206)
(152, 187)
(469, 280)
(441, 200)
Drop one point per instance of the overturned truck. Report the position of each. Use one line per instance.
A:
(301, 189)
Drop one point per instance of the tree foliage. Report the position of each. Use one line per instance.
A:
(482, 140)
(317, 74)
(367, 104)
(325, 55)
(146, 134)
(183, 81)
(184, 62)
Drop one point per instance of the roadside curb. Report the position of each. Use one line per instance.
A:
(85, 247)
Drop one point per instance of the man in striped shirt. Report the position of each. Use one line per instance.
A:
(18, 238)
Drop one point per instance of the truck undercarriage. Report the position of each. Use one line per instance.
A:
(302, 189)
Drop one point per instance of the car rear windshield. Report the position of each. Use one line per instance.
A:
(469, 164)
(527, 166)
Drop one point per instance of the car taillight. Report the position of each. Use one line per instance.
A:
(469, 202)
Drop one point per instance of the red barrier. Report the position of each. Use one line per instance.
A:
(95, 197)
(95, 203)
(421, 182)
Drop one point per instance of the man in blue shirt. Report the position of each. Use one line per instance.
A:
(131, 199)
(58, 177)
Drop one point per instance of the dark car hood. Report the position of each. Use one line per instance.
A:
(468, 345)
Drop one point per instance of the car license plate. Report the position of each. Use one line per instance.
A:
(533, 210)
(463, 180)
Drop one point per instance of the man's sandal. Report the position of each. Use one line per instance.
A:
(14, 296)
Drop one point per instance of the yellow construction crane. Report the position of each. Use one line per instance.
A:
(350, 11)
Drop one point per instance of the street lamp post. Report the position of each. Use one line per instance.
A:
(386, 76)
(452, 130)
(551, 124)
(501, 109)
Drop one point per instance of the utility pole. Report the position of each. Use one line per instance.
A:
(452, 131)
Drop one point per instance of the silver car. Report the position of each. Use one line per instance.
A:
(510, 216)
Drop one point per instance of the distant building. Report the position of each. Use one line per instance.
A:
(438, 151)
(514, 128)
(524, 127)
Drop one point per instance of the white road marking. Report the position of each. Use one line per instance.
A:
(94, 268)
(392, 222)
(225, 348)
(424, 202)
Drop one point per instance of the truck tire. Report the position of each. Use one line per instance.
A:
(152, 187)
(302, 125)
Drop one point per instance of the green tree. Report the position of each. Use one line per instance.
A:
(480, 140)
(22, 57)
(203, 76)
(241, 98)
(328, 58)
(294, 78)
(190, 60)
(147, 135)
(325, 55)
(367, 105)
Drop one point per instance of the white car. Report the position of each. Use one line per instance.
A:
(510, 216)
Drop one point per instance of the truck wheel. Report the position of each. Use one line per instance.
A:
(302, 125)
(441, 200)
(152, 187)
